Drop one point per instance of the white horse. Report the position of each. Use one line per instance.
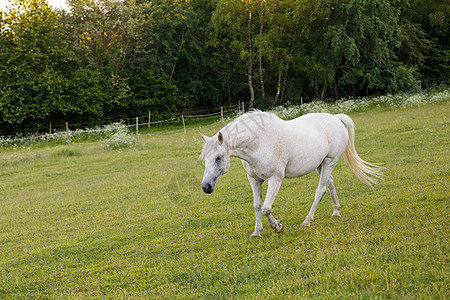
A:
(272, 149)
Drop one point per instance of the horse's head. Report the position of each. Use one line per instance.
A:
(217, 161)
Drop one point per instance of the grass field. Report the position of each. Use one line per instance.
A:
(86, 222)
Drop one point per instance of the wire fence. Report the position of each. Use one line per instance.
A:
(432, 96)
(68, 134)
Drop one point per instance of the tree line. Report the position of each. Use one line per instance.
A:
(109, 59)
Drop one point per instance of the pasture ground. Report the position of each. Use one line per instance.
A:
(86, 222)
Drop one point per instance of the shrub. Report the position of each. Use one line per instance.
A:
(120, 139)
(360, 104)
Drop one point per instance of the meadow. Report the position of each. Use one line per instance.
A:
(88, 222)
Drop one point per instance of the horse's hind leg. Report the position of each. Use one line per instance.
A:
(334, 198)
(324, 182)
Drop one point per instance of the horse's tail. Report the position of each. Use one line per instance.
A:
(365, 171)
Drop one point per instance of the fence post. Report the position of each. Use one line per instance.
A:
(221, 115)
(149, 117)
(184, 126)
(137, 129)
(243, 107)
(67, 134)
(50, 127)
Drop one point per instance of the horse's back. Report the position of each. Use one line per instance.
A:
(310, 139)
(322, 124)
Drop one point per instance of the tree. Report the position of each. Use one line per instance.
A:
(101, 36)
(30, 56)
(284, 42)
(121, 58)
(229, 45)
(153, 93)
(432, 18)
(359, 49)
(85, 99)
(175, 45)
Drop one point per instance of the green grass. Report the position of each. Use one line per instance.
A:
(86, 222)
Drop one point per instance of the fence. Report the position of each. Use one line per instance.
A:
(70, 133)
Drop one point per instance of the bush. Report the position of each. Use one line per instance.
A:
(361, 104)
(121, 139)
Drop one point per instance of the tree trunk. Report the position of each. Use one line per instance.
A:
(283, 89)
(178, 55)
(278, 88)
(316, 87)
(261, 75)
(250, 59)
(324, 90)
(335, 89)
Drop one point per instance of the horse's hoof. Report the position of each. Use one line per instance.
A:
(336, 215)
(279, 228)
(305, 225)
(255, 236)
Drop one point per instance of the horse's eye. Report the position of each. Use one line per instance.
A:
(218, 157)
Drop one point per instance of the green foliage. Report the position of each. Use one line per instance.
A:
(228, 45)
(80, 66)
(361, 42)
(173, 45)
(434, 18)
(153, 93)
(31, 82)
(86, 97)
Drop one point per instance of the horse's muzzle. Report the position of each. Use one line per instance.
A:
(207, 188)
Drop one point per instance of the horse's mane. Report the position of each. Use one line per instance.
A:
(254, 117)
(251, 115)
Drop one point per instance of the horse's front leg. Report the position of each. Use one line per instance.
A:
(272, 190)
(257, 203)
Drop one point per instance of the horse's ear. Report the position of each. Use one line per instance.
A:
(220, 137)
(204, 137)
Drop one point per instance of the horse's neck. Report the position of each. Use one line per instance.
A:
(242, 140)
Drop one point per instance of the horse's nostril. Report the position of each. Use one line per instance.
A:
(207, 188)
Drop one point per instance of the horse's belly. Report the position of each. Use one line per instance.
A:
(303, 157)
(296, 168)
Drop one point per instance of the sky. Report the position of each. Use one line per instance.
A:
(54, 3)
